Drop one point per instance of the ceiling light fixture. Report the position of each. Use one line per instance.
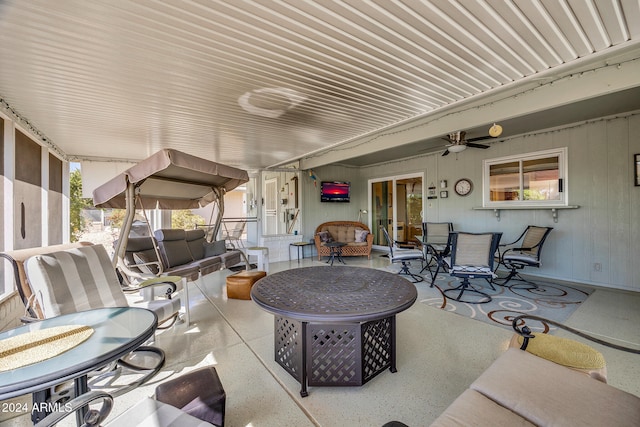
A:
(256, 101)
(457, 148)
(495, 130)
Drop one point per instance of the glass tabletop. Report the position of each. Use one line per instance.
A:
(116, 332)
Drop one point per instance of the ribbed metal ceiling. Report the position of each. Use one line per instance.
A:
(123, 79)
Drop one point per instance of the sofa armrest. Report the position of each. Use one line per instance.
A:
(369, 239)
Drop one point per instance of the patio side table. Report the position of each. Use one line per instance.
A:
(299, 246)
(335, 252)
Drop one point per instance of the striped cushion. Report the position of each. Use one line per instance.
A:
(409, 254)
(151, 413)
(83, 279)
(74, 280)
(163, 308)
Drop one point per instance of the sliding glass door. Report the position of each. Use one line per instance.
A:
(395, 203)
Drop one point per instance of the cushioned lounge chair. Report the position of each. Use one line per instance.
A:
(83, 278)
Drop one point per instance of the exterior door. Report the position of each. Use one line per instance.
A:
(396, 204)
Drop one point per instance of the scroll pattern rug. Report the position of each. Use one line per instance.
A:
(553, 301)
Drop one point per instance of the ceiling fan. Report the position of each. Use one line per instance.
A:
(458, 143)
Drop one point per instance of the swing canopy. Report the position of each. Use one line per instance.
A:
(170, 179)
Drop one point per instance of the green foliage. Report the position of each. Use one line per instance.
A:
(76, 204)
(185, 219)
(116, 217)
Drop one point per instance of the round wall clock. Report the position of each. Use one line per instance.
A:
(463, 187)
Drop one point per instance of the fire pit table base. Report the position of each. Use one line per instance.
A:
(334, 326)
(338, 354)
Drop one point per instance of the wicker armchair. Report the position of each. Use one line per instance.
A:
(343, 231)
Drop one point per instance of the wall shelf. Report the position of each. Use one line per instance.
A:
(553, 209)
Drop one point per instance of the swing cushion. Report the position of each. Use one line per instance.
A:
(145, 264)
(214, 248)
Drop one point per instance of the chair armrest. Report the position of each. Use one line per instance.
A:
(28, 319)
(130, 274)
(169, 281)
(369, 239)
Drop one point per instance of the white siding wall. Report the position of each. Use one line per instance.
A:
(604, 230)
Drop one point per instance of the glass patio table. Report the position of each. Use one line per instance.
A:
(334, 326)
(116, 332)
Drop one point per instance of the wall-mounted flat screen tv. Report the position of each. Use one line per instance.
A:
(335, 191)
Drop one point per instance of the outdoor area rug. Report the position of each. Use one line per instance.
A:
(553, 301)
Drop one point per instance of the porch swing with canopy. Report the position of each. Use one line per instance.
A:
(169, 179)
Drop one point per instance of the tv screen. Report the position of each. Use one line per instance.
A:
(334, 191)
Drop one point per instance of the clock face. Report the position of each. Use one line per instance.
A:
(463, 187)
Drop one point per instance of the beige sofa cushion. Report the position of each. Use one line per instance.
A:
(472, 409)
(341, 233)
(546, 393)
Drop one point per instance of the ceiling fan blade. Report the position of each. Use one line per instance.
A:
(480, 138)
(471, 144)
(446, 152)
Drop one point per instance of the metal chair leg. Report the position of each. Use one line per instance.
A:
(405, 271)
(465, 286)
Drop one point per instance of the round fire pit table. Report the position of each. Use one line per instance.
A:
(334, 326)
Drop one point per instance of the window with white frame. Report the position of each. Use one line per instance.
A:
(532, 179)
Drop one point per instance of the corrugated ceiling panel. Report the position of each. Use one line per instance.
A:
(135, 76)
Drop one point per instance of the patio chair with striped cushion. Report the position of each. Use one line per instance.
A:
(83, 278)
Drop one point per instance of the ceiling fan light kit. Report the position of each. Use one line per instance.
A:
(457, 148)
(458, 143)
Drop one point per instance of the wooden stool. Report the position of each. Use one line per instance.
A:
(239, 284)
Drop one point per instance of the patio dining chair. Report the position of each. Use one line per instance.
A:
(437, 244)
(523, 252)
(234, 236)
(472, 257)
(404, 257)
